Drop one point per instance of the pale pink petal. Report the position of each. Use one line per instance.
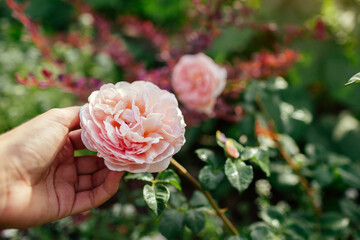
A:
(159, 166)
(135, 127)
(198, 81)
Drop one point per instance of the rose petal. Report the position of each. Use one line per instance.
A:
(135, 127)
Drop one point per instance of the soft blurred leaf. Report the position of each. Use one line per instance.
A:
(271, 103)
(169, 176)
(261, 231)
(238, 146)
(46, 12)
(334, 79)
(198, 200)
(289, 12)
(297, 230)
(174, 12)
(263, 161)
(346, 134)
(333, 224)
(323, 175)
(259, 156)
(171, 223)
(354, 79)
(239, 174)
(208, 156)
(350, 175)
(210, 177)
(156, 197)
(237, 238)
(177, 199)
(147, 177)
(277, 83)
(350, 209)
(253, 90)
(289, 144)
(231, 39)
(195, 220)
(356, 235)
(249, 153)
(338, 160)
(273, 217)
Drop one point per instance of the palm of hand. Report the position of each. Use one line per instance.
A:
(52, 183)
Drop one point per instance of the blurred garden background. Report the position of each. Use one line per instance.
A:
(287, 64)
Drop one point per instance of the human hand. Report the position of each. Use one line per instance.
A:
(41, 180)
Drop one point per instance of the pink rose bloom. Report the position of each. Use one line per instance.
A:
(197, 81)
(135, 127)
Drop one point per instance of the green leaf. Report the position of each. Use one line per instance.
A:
(147, 177)
(249, 153)
(169, 176)
(178, 200)
(261, 231)
(350, 209)
(171, 223)
(289, 144)
(254, 89)
(297, 230)
(238, 146)
(207, 156)
(273, 217)
(260, 157)
(156, 197)
(239, 174)
(354, 79)
(210, 177)
(195, 220)
(237, 238)
(263, 161)
(333, 224)
(350, 175)
(276, 84)
(357, 234)
(323, 175)
(231, 39)
(198, 199)
(271, 104)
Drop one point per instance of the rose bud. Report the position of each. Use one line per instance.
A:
(231, 150)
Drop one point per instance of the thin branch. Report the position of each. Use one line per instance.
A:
(219, 212)
(303, 181)
(289, 160)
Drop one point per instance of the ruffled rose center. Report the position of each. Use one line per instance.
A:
(129, 128)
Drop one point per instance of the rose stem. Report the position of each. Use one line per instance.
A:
(290, 161)
(220, 213)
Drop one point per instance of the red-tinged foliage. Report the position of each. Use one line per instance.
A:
(320, 31)
(266, 131)
(227, 111)
(79, 86)
(292, 32)
(32, 28)
(75, 39)
(203, 26)
(266, 64)
(106, 42)
(160, 77)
